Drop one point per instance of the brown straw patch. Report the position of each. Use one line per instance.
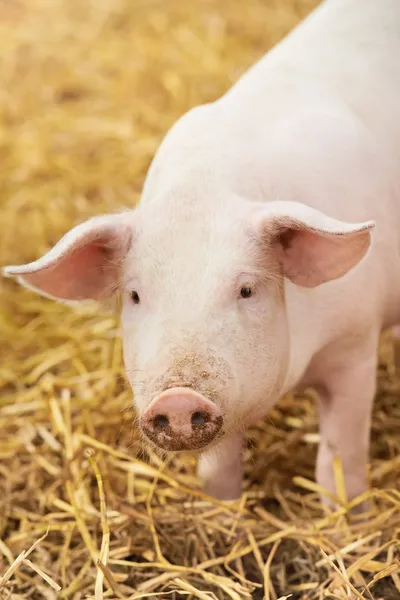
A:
(87, 91)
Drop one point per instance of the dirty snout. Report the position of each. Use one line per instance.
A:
(181, 419)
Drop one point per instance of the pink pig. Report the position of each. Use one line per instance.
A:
(247, 269)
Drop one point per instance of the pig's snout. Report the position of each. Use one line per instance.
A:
(181, 419)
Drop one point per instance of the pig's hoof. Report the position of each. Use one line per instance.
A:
(181, 419)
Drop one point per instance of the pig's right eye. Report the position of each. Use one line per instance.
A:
(135, 297)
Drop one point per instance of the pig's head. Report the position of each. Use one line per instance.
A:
(206, 341)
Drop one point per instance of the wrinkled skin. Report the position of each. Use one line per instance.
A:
(276, 189)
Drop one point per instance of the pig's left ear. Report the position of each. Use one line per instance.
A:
(311, 247)
(84, 264)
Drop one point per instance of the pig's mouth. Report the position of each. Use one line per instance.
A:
(181, 419)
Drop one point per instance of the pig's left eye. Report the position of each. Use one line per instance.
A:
(246, 292)
(135, 297)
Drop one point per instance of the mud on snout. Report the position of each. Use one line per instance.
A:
(186, 408)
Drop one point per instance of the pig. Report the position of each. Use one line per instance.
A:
(264, 254)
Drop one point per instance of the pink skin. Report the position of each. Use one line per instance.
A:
(275, 188)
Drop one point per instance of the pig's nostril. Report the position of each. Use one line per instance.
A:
(161, 421)
(198, 418)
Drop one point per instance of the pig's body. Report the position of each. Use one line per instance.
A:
(317, 120)
(316, 123)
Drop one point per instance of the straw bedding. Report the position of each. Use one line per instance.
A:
(87, 90)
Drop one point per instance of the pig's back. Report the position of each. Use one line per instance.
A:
(347, 48)
(342, 61)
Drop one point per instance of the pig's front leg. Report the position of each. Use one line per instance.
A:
(346, 400)
(221, 469)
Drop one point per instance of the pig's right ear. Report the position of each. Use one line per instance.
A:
(84, 264)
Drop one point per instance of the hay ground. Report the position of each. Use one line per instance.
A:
(87, 91)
